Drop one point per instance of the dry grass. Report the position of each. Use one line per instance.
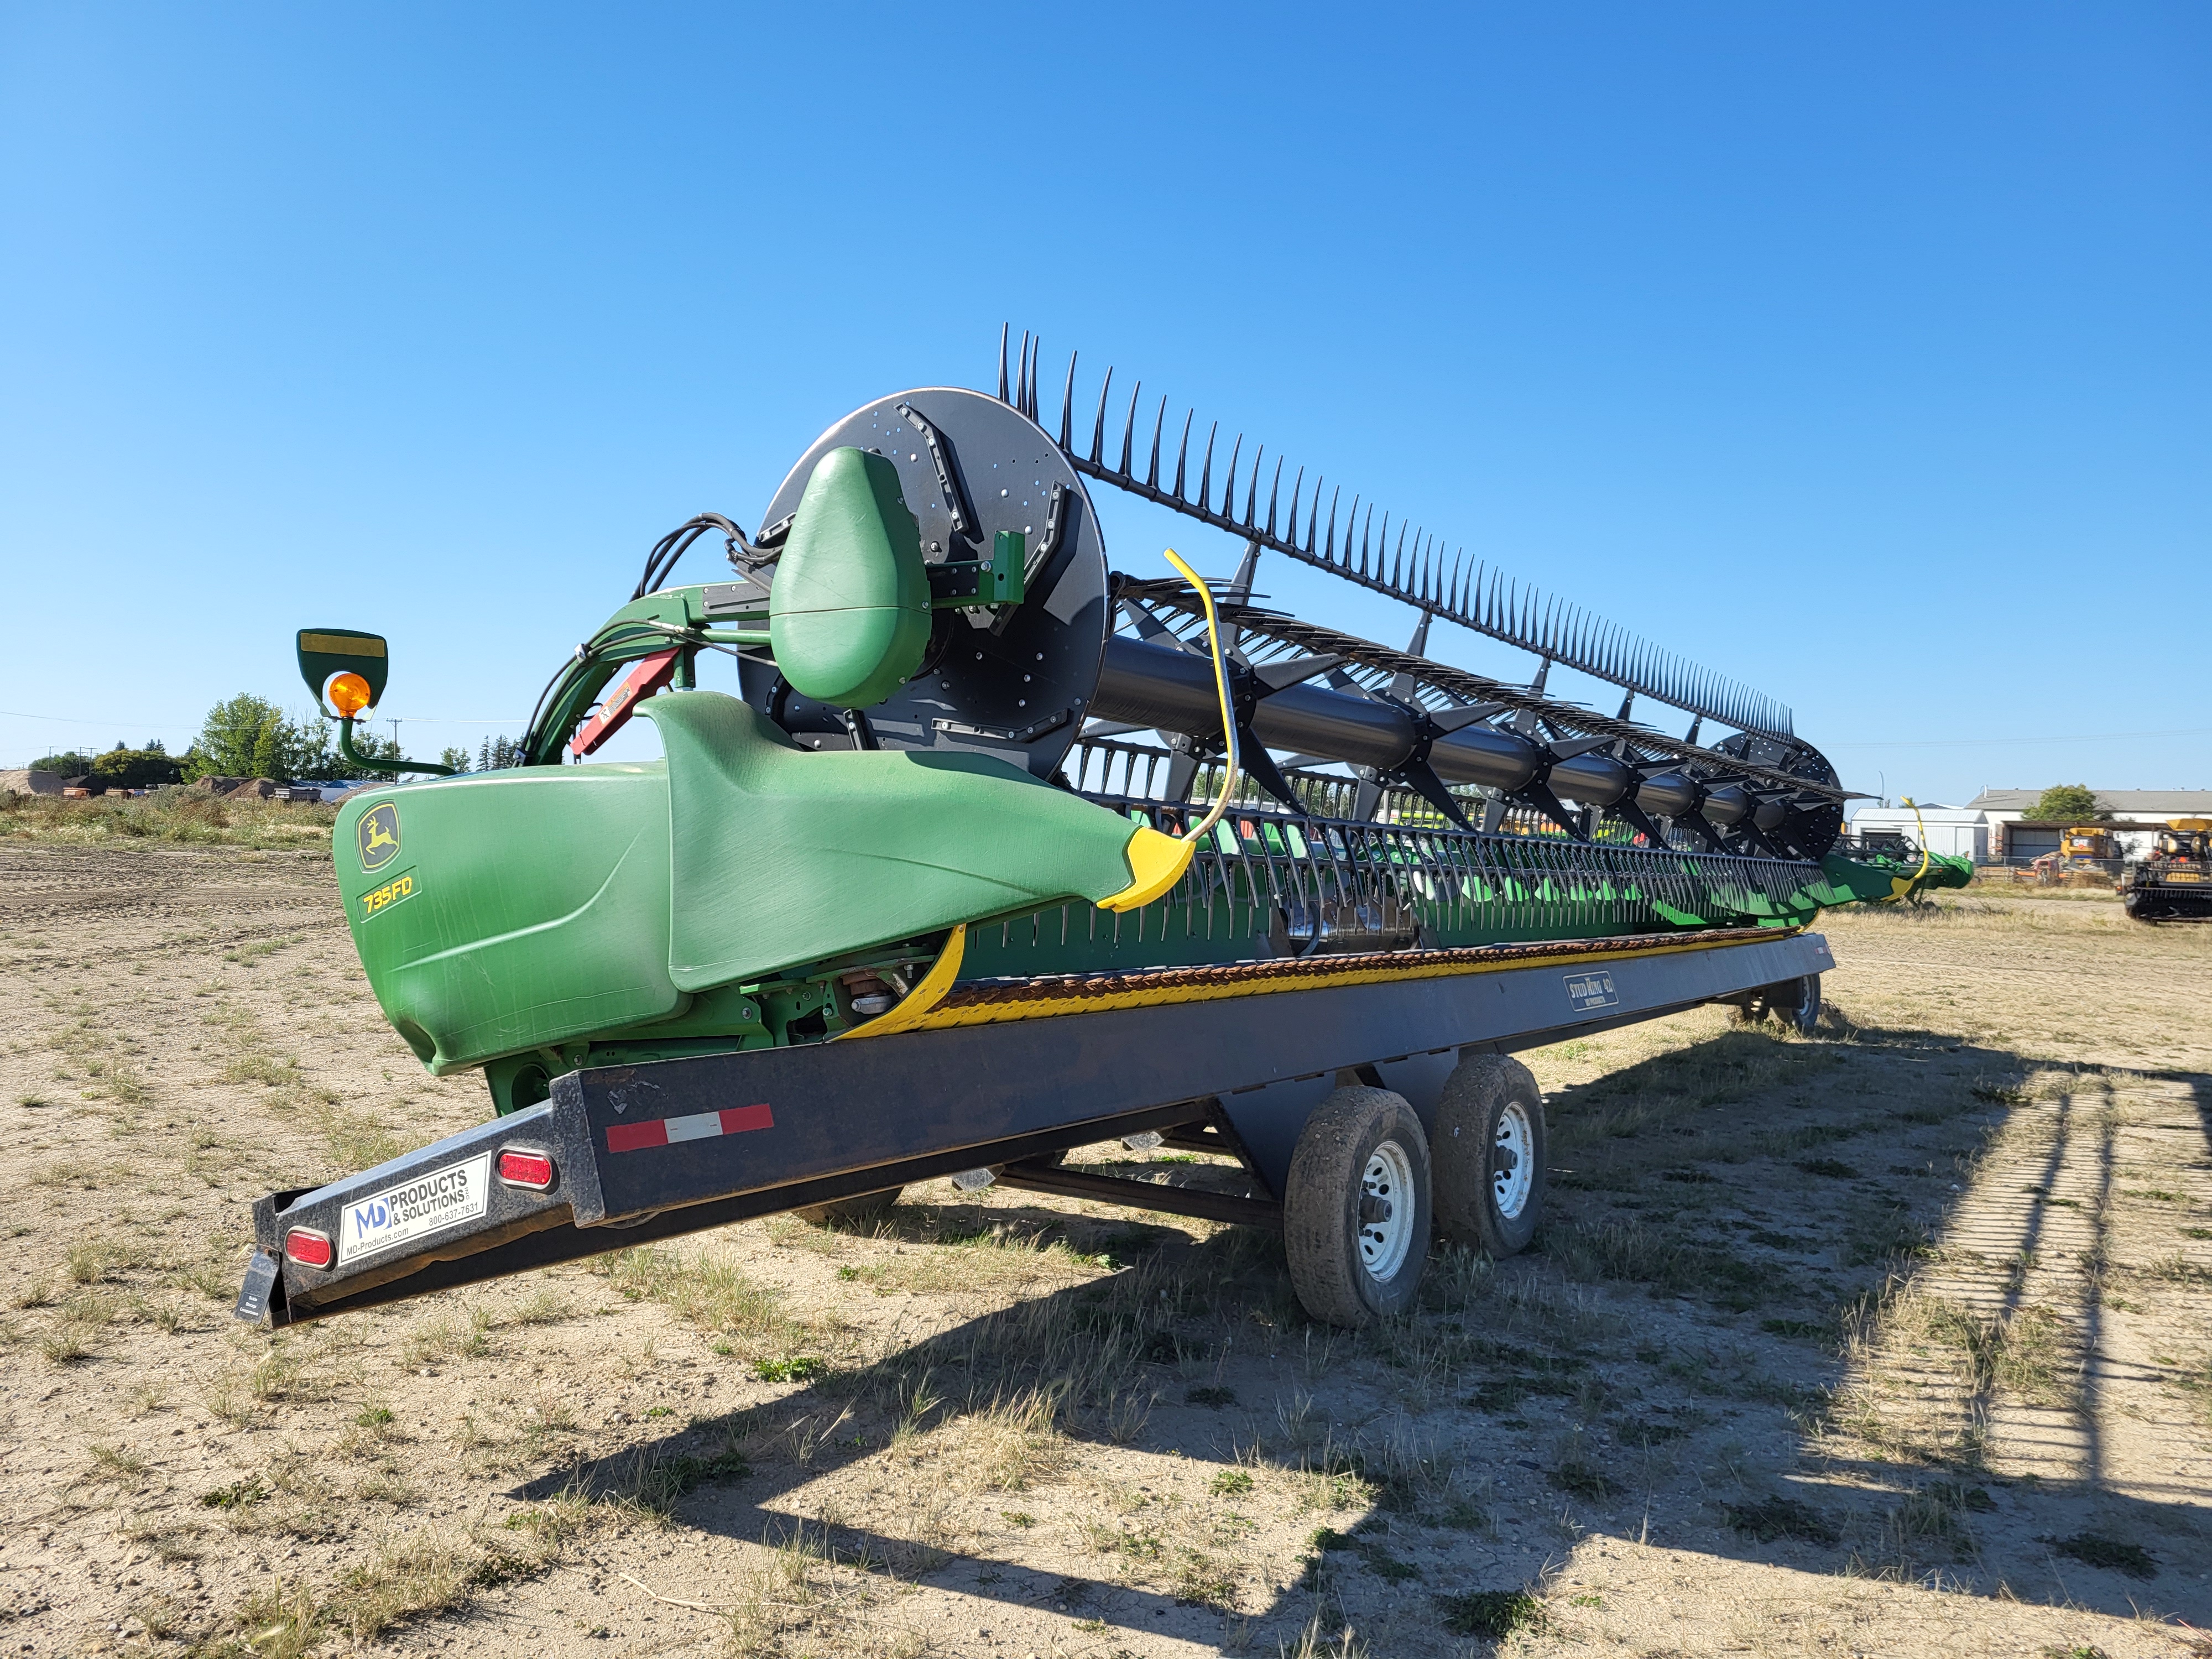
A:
(704, 1289)
(175, 817)
(1085, 1431)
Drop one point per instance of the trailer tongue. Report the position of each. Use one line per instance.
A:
(997, 853)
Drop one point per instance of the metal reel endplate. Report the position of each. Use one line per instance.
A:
(1822, 822)
(1015, 686)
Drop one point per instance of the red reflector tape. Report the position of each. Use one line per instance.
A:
(703, 1126)
(531, 1169)
(309, 1249)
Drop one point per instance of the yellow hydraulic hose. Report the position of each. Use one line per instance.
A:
(1221, 689)
(1157, 861)
(1902, 886)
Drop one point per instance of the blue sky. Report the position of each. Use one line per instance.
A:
(1862, 353)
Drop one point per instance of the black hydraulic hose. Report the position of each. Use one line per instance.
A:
(613, 635)
(673, 546)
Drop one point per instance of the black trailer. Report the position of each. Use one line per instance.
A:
(1369, 1098)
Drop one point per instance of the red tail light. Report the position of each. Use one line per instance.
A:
(522, 1168)
(307, 1247)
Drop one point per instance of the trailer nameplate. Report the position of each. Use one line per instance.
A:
(1591, 989)
(415, 1209)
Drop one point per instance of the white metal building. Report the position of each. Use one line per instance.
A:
(2002, 808)
(1961, 831)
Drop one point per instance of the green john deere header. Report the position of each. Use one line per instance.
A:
(947, 744)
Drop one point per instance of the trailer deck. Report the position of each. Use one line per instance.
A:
(993, 1077)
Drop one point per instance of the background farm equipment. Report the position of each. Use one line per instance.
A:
(2174, 883)
(994, 812)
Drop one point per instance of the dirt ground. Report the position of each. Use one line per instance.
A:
(1897, 1340)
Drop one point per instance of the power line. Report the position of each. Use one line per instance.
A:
(1984, 742)
(134, 723)
(130, 721)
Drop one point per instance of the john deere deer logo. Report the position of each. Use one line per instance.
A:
(378, 833)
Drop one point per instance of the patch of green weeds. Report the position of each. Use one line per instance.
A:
(2095, 1550)
(799, 1368)
(1493, 1615)
(1777, 1516)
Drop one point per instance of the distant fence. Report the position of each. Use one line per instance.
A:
(2047, 872)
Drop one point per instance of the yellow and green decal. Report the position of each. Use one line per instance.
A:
(377, 835)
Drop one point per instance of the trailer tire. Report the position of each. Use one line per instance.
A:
(1806, 1016)
(851, 1215)
(1795, 1002)
(1492, 1162)
(1356, 1208)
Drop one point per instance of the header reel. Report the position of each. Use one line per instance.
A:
(1015, 570)
(1030, 643)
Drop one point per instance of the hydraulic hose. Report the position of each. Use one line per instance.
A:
(1204, 826)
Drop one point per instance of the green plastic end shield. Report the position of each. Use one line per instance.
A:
(849, 614)
(327, 651)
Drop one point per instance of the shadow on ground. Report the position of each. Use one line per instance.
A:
(1843, 1304)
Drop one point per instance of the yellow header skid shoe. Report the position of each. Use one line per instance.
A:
(1158, 862)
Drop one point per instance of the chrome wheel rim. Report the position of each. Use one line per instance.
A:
(1512, 1161)
(1386, 1209)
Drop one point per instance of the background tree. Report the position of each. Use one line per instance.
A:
(136, 769)
(366, 743)
(456, 758)
(250, 737)
(2069, 803)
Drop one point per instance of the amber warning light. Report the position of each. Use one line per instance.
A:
(349, 693)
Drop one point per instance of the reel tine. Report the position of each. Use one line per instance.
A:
(1004, 329)
(1412, 569)
(1098, 426)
